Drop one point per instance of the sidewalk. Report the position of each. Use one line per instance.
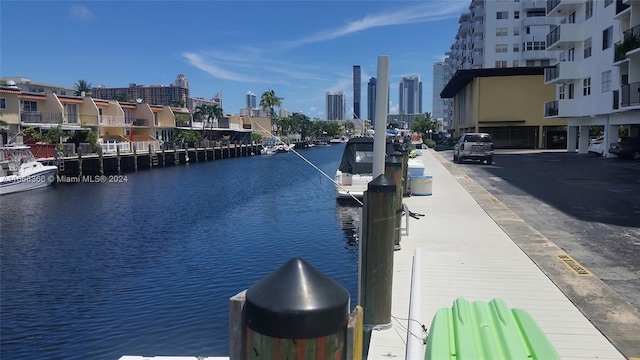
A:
(466, 254)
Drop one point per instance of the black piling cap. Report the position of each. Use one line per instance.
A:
(297, 301)
(382, 184)
(393, 161)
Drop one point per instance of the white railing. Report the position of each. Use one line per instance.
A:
(143, 146)
(111, 120)
(112, 147)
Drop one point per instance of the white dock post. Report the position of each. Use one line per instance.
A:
(380, 125)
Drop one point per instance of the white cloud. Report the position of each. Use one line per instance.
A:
(215, 71)
(425, 12)
(79, 12)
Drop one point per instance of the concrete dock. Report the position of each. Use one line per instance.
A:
(465, 253)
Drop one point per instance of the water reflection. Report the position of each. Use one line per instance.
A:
(349, 218)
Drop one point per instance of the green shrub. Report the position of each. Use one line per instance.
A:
(430, 143)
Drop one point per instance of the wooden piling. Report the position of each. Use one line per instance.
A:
(135, 157)
(101, 160)
(118, 160)
(296, 312)
(164, 158)
(379, 215)
(393, 169)
(151, 155)
(79, 162)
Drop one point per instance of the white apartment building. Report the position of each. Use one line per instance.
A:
(597, 69)
(441, 108)
(501, 33)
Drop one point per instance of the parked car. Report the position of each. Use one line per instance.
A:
(596, 146)
(627, 147)
(473, 146)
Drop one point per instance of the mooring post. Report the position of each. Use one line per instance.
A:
(79, 162)
(376, 266)
(151, 154)
(176, 155)
(405, 175)
(296, 312)
(186, 153)
(135, 157)
(164, 157)
(393, 169)
(118, 159)
(101, 160)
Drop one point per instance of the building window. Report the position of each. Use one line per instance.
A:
(516, 63)
(3, 103)
(516, 47)
(29, 105)
(570, 91)
(502, 15)
(588, 12)
(586, 86)
(607, 38)
(571, 54)
(533, 45)
(516, 14)
(501, 48)
(572, 18)
(561, 89)
(516, 31)
(587, 48)
(501, 64)
(562, 56)
(502, 32)
(606, 81)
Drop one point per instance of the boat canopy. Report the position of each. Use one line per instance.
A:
(358, 155)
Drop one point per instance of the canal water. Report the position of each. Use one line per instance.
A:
(146, 266)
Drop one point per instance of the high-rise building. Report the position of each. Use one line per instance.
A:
(336, 104)
(441, 108)
(153, 95)
(356, 91)
(410, 97)
(181, 81)
(251, 100)
(596, 71)
(371, 99)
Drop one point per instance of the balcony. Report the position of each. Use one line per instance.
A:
(40, 117)
(551, 109)
(534, 4)
(477, 13)
(478, 59)
(616, 99)
(563, 72)
(535, 55)
(620, 6)
(563, 7)
(631, 42)
(630, 94)
(563, 108)
(536, 20)
(141, 122)
(478, 46)
(110, 120)
(478, 29)
(565, 36)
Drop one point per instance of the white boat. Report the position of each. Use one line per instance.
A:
(356, 168)
(282, 147)
(20, 171)
(269, 150)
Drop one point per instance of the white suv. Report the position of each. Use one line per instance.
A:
(474, 146)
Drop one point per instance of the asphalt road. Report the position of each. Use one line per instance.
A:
(587, 205)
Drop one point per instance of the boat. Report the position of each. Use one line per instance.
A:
(339, 140)
(20, 171)
(356, 167)
(282, 147)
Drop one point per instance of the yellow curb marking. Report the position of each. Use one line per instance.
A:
(574, 266)
(495, 200)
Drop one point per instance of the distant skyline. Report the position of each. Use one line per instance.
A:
(301, 50)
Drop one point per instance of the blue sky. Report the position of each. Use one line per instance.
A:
(299, 49)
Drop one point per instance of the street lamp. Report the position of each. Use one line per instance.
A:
(430, 131)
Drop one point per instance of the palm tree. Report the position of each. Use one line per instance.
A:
(268, 101)
(82, 86)
(207, 113)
